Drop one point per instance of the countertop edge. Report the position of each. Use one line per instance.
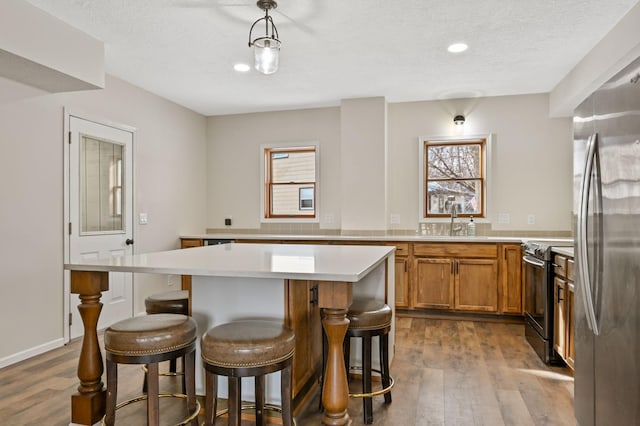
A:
(373, 238)
(567, 251)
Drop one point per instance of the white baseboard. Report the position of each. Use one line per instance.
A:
(31, 352)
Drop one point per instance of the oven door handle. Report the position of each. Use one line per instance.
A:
(533, 261)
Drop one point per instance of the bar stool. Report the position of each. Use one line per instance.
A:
(247, 349)
(169, 302)
(370, 318)
(149, 340)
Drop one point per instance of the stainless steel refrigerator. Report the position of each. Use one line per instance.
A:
(607, 249)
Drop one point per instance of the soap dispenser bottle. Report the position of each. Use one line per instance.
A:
(471, 228)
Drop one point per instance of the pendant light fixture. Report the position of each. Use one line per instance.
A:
(266, 48)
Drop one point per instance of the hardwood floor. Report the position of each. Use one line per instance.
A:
(447, 372)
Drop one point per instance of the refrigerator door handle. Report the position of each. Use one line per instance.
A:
(585, 187)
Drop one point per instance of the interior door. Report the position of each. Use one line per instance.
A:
(100, 210)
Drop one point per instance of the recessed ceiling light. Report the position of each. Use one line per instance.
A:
(241, 67)
(457, 47)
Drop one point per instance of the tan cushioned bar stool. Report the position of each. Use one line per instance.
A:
(149, 340)
(369, 318)
(247, 349)
(169, 302)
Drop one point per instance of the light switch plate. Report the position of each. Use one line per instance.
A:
(143, 219)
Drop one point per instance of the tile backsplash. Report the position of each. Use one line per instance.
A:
(433, 229)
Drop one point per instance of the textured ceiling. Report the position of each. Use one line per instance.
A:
(184, 50)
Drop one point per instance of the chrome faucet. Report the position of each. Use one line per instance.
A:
(453, 230)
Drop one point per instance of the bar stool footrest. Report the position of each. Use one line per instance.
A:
(165, 373)
(245, 407)
(183, 422)
(374, 393)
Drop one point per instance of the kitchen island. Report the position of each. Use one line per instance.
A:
(235, 281)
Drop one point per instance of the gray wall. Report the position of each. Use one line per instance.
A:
(169, 184)
(526, 143)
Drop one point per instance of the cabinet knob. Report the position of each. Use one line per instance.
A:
(128, 241)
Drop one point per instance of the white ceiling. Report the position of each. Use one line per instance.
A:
(184, 50)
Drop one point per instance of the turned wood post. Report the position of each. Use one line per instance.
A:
(88, 405)
(335, 299)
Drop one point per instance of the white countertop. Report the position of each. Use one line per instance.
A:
(567, 251)
(405, 238)
(293, 261)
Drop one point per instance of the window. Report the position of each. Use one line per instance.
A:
(453, 176)
(290, 185)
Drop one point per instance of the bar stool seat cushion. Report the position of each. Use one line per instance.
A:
(369, 314)
(241, 344)
(150, 334)
(170, 302)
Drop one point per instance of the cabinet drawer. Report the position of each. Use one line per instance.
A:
(456, 250)
(560, 265)
(402, 249)
(570, 264)
(190, 242)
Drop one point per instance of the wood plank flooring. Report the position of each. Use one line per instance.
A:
(447, 372)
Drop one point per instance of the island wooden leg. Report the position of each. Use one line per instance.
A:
(88, 405)
(335, 393)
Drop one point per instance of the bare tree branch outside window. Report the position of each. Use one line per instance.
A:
(454, 178)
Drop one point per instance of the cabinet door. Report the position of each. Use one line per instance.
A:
(511, 277)
(559, 315)
(476, 285)
(186, 279)
(433, 283)
(402, 282)
(303, 317)
(570, 327)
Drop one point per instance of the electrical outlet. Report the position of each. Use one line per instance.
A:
(173, 280)
(227, 221)
(328, 218)
(504, 218)
(394, 219)
(531, 219)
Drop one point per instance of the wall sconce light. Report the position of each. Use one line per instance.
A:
(266, 48)
(458, 120)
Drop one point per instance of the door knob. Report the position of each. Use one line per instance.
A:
(128, 241)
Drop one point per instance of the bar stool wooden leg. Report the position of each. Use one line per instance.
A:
(259, 381)
(367, 402)
(285, 395)
(112, 393)
(189, 368)
(384, 360)
(153, 405)
(235, 400)
(211, 398)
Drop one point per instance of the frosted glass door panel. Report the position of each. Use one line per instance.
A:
(101, 192)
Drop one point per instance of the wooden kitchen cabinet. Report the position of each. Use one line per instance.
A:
(453, 276)
(433, 285)
(560, 315)
(402, 297)
(476, 285)
(511, 279)
(563, 297)
(186, 279)
(302, 315)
